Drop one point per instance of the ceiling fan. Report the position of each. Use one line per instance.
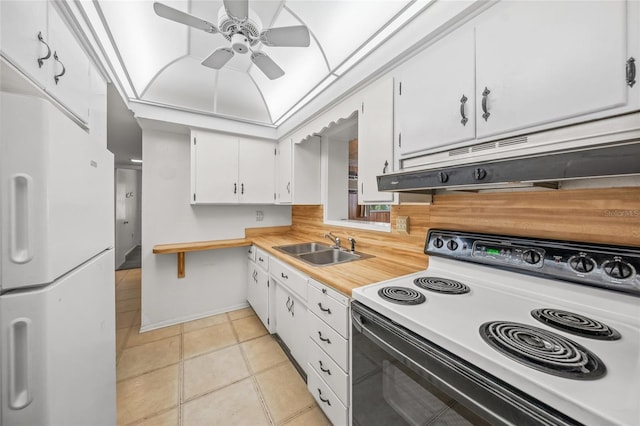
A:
(243, 34)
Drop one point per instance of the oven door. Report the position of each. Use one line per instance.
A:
(399, 378)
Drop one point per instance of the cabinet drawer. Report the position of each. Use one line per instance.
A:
(330, 341)
(292, 279)
(262, 259)
(329, 310)
(335, 411)
(330, 372)
(251, 253)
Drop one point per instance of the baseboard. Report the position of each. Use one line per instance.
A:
(188, 318)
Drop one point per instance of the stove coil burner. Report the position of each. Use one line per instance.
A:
(402, 295)
(441, 285)
(543, 350)
(575, 324)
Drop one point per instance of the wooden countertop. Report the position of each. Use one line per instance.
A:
(200, 245)
(343, 277)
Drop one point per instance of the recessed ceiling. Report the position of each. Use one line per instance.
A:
(159, 61)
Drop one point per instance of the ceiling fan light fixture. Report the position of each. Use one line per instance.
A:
(240, 43)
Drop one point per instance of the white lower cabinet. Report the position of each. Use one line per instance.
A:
(328, 356)
(291, 319)
(259, 293)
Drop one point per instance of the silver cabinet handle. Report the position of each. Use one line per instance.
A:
(324, 370)
(324, 339)
(631, 71)
(48, 55)
(463, 100)
(327, 310)
(326, 401)
(56, 77)
(485, 95)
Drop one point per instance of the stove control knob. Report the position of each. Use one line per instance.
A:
(531, 257)
(617, 269)
(452, 245)
(582, 264)
(438, 243)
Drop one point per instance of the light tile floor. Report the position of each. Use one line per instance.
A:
(221, 370)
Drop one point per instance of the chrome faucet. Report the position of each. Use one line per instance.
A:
(333, 238)
(353, 244)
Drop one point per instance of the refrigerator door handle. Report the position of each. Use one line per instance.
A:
(19, 364)
(21, 218)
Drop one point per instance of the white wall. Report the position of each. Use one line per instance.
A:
(127, 214)
(215, 280)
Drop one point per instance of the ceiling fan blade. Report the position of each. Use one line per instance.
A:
(266, 65)
(237, 9)
(183, 18)
(218, 58)
(296, 36)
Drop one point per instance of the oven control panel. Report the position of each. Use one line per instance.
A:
(613, 267)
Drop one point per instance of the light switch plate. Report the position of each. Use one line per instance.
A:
(402, 224)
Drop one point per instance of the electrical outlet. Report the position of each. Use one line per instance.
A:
(259, 215)
(402, 224)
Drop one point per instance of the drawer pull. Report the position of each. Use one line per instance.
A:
(326, 401)
(324, 370)
(327, 310)
(324, 290)
(286, 277)
(260, 259)
(324, 339)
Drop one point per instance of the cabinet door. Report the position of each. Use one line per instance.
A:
(214, 168)
(291, 324)
(69, 81)
(375, 141)
(21, 22)
(434, 95)
(283, 172)
(543, 62)
(256, 172)
(258, 292)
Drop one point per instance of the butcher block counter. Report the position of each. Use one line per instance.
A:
(344, 277)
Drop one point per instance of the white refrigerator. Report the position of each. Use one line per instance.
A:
(57, 296)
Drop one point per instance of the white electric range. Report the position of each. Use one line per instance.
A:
(555, 325)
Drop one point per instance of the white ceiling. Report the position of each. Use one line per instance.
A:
(158, 61)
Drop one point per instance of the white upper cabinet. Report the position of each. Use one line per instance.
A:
(36, 40)
(519, 67)
(435, 95)
(22, 23)
(543, 62)
(298, 172)
(229, 170)
(375, 141)
(256, 171)
(71, 82)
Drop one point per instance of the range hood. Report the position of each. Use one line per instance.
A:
(578, 152)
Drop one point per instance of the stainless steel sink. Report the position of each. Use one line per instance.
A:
(296, 249)
(318, 254)
(328, 257)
